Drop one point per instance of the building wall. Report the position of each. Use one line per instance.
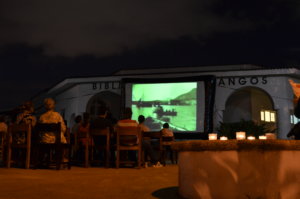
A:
(277, 87)
(74, 100)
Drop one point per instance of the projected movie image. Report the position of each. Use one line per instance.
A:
(174, 103)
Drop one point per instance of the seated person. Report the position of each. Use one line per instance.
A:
(3, 128)
(25, 117)
(128, 122)
(74, 131)
(51, 116)
(166, 132)
(3, 125)
(83, 130)
(143, 127)
(75, 127)
(101, 122)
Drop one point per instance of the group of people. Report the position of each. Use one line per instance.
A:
(27, 116)
(82, 125)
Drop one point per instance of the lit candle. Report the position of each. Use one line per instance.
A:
(262, 137)
(223, 138)
(251, 138)
(212, 136)
(240, 135)
(271, 136)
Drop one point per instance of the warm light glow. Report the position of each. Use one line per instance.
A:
(251, 138)
(223, 138)
(262, 137)
(268, 116)
(212, 136)
(272, 117)
(241, 135)
(262, 115)
(271, 136)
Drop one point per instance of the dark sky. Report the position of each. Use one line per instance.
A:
(43, 42)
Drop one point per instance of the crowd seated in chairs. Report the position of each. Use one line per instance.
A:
(163, 143)
(95, 141)
(46, 143)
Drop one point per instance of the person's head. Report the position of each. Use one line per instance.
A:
(49, 104)
(166, 125)
(127, 113)
(102, 111)
(28, 106)
(141, 119)
(78, 119)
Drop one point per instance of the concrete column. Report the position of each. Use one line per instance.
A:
(218, 117)
(284, 124)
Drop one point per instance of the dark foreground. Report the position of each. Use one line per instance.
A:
(89, 183)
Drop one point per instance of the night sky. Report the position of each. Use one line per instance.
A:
(44, 42)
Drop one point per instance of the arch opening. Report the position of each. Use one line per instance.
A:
(246, 104)
(110, 100)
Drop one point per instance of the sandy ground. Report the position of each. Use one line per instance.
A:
(91, 183)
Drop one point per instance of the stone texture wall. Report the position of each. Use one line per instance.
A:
(239, 174)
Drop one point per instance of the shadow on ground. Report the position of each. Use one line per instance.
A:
(167, 193)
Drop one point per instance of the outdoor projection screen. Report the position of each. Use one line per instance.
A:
(181, 103)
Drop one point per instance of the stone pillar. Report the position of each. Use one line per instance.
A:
(284, 122)
(218, 117)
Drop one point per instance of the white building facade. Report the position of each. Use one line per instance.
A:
(243, 92)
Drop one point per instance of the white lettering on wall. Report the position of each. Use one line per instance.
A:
(232, 81)
(106, 85)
